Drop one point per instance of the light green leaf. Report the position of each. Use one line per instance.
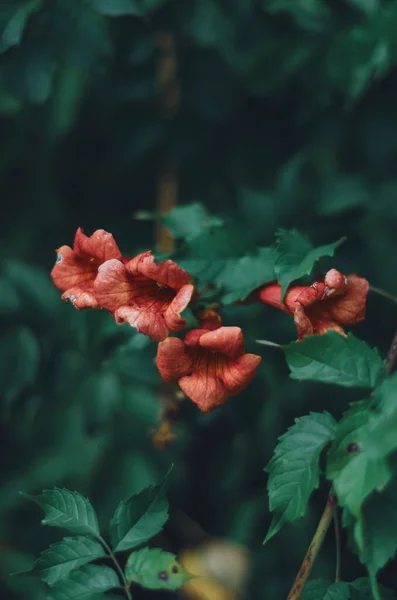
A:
(296, 256)
(334, 358)
(294, 469)
(67, 509)
(239, 277)
(320, 589)
(188, 221)
(365, 438)
(13, 32)
(139, 518)
(155, 569)
(61, 558)
(85, 583)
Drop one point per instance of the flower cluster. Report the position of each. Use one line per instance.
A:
(210, 364)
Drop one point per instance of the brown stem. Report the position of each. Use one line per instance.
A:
(311, 554)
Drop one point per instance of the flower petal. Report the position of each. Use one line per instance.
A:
(148, 320)
(112, 285)
(237, 374)
(81, 296)
(226, 340)
(100, 245)
(172, 315)
(166, 272)
(349, 309)
(173, 359)
(321, 326)
(302, 322)
(203, 386)
(69, 271)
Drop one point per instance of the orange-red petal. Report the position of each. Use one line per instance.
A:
(166, 272)
(226, 340)
(237, 374)
(172, 315)
(112, 285)
(173, 359)
(349, 309)
(146, 319)
(100, 245)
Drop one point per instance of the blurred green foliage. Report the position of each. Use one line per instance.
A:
(287, 119)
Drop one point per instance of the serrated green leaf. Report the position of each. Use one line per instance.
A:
(239, 277)
(67, 509)
(85, 583)
(188, 221)
(155, 569)
(61, 558)
(365, 438)
(296, 256)
(294, 469)
(320, 589)
(139, 518)
(334, 358)
(12, 34)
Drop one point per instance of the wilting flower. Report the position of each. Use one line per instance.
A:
(210, 364)
(330, 304)
(75, 269)
(146, 295)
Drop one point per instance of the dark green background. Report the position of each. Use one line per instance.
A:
(288, 118)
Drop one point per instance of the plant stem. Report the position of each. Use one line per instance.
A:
(383, 293)
(337, 545)
(267, 343)
(314, 548)
(117, 565)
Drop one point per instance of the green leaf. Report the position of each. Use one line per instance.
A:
(365, 438)
(320, 589)
(139, 518)
(334, 358)
(61, 558)
(12, 34)
(85, 583)
(294, 469)
(155, 569)
(375, 529)
(188, 221)
(296, 256)
(67, 509)
(241, 276)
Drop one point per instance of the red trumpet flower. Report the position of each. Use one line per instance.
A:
(146, 295)
(210, 364)
(331, 304)
(75, 269)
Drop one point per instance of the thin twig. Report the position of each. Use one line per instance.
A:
(383, 293)
(119, 569)
(313, 550)
(337, 545)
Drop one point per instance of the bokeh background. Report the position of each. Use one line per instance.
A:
(269, 112)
